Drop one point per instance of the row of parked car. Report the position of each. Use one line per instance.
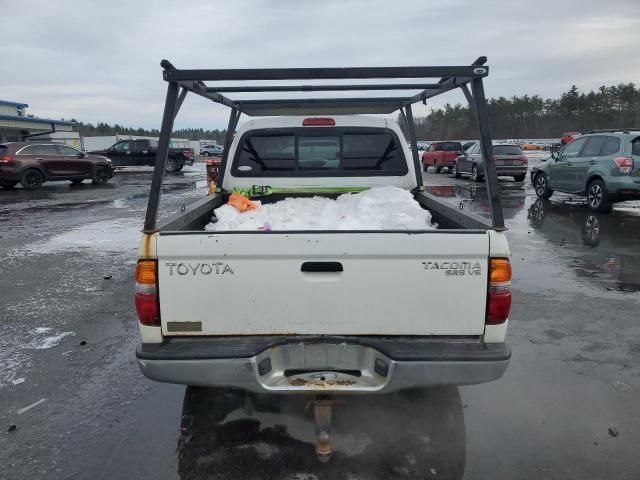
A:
(466, 159)
(602, 165)
(31, 164)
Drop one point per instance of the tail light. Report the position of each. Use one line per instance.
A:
(187, 154)
(147, 299)
(524, 160)
(6, 159)
(319, 121)
(625, 164)
(499, 294)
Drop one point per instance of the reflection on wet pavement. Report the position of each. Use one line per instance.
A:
(602, 248)
(408, 435)
(607, 244)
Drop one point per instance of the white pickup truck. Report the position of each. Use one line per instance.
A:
(322, 312)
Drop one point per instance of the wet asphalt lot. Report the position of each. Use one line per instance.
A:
(568, 406)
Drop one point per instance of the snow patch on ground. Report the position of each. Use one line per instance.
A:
(385, 208)
(10, 364)
(48, 342)
(103, 236)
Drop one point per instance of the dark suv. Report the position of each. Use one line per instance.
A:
(32, 164)
(603, 165)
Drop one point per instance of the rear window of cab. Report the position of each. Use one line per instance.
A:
(321, 152)
(449, 147)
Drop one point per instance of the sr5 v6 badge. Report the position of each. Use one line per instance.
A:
(454, 267)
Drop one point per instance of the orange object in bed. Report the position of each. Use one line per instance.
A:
(241, 202)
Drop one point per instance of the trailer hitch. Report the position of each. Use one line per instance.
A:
(322, 408)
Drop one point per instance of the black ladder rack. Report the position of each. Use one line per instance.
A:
(181, 82)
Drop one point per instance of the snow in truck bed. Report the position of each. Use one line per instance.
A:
(384, 208)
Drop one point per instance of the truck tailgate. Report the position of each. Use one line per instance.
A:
(390, 283)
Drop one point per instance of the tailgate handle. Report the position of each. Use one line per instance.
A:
(321, 267)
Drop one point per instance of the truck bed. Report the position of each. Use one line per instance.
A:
(444, 213)
(320, 282)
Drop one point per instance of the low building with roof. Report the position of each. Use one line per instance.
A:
(17, 126)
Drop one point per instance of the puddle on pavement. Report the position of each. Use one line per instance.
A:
(603, 249)
(597, 246)
(413, 434)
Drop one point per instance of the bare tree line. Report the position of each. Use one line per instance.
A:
(616, 106)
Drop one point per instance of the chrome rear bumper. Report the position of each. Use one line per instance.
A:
(328, 365)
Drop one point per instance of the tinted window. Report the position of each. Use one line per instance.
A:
(121, 147)
(611, 146)
(506, 150)
(137, 147)
(67, 151)
(3, 149)
(450, 146)
(30, 150)
(45, 150)
(318, 152)
(355, 152)
(573, 148)
(372, 152)
(266, 153)
(593, 147)
(635, 147)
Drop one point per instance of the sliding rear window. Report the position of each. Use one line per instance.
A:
(451, 146)
(321, 152)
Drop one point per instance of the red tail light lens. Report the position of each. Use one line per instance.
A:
(147, 309)
(498, 306)
(6, 159)
(625, 164)
(499, 294)
(146, 296)
(187, 154)
(524, 160)
(319, 121)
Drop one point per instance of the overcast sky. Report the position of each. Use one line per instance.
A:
(99, 61)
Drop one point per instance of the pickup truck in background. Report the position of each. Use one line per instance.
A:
(127, 153)
(441, 154)
(322, 312)
(569, 137)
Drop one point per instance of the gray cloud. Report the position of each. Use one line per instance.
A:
(99, 61)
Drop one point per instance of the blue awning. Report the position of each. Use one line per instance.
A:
(13, 104)
(34, 120)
